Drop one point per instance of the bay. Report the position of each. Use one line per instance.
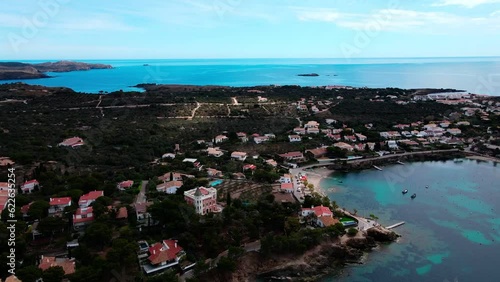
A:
(452, 230)
(479, 75)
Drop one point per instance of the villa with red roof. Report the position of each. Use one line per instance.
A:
(89, 198)
(25, 209)
(57, 205)
(286, 187)
(163, 255)
(324, 216)
(292, 156)
(72, 142)
(68, 265)
(124, 185)
(203, 199)
(29, 186)
(82, 217)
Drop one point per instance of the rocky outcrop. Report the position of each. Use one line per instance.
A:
(14, 70)
(316, 263)
(67, 66)
(361, 243)
(381, 234)
(308, 74)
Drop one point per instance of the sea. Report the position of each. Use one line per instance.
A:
(478, 75)
(452, 227)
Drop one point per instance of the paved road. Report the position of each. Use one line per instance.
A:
(141, 197)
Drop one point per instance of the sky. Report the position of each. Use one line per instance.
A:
(164, 29)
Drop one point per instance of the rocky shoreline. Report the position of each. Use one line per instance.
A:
(329, 257)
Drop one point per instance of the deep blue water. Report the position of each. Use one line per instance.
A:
(452, 230)
(476, 75)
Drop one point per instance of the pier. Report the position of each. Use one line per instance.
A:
(395, 225)
(376, 167)
(400, 162)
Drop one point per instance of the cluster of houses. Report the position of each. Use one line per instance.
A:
(416, 134)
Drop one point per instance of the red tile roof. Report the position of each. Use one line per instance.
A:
(286, 186)
(122, 213)
(126, 184)
(68, 265)
(85, 211)
(60, 201)
(26, 208)
(163, 252)
(92, 195)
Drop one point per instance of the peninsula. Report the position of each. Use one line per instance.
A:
(16, 70)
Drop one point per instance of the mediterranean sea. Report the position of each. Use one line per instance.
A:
(452, 230)
(479, 75)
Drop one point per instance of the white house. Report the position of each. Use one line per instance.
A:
(294, 138)
(89, 198)
(215, 152)
(220, 138)
(240, 156)
(286, 178)
(57, 205)
(392, 145)
(29, 186)
(169, 187)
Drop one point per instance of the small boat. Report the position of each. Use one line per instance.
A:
(427, 187)
(413, 196)
(405, 191)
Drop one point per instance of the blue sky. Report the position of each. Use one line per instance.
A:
(126, 29)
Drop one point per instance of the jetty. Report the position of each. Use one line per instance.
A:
(395, 225)
(400, 162)
(377, 168)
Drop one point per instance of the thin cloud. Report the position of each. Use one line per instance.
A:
(465, 3)
(397, 20)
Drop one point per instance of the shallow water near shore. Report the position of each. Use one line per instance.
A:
(452, 230)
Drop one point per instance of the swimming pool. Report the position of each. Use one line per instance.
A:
(215, 182)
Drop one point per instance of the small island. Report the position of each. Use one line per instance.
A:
(16, 70)
(308, 74)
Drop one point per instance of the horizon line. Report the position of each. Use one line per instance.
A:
(259, 58)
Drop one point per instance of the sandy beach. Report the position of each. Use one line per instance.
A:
(314, 176)
(486, 159)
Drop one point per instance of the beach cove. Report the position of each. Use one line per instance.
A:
(452, 228)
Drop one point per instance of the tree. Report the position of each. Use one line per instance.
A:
(29, 273)
(122, 254)
(228, 199)
(352, 232)
(98, 234)
(53, 274)
(51, 225)
(292, 225)
(38, 210)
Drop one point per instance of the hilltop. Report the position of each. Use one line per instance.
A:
(16, 70)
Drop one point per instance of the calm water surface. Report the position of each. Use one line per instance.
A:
(452, 230)
(476, 75)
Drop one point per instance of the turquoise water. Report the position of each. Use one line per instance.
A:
(216, 182)
(476, 75)
(452, 230)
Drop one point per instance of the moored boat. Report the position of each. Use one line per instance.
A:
(404, 191)
(413, 196)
